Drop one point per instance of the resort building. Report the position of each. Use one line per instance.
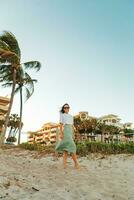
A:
(4, 101)
(31, 137)
(46, 135)
(110, 119)
(128, 125)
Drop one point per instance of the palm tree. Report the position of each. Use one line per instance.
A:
(24, 85)
(10, 125)
(10, 63)
(1, 125)
(13, 123)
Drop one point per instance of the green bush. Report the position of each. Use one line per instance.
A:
(31, 147)
(97, 147)
(84, 148)
(38, 147)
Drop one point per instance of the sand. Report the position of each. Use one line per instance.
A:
(26, 175)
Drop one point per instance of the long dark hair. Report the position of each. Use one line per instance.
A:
(62, 108)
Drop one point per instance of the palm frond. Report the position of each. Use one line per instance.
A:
(28, 78)
(5, 85)
(28, 94)
(20, 76)
(4, 67)
(9, 57)
(17, 89)
(32, 65)
(32, 80)
(6, 77)
(3, 46)
(6, 74)
(11, 41)
(29, 84)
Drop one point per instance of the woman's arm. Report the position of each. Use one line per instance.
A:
(61, 131)
(74, 130)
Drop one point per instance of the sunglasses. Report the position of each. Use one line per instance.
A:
(66, 107)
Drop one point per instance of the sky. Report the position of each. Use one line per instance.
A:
(86, 48)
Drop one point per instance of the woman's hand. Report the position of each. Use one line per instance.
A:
(61, 136)
(74, 129)
(61, 131)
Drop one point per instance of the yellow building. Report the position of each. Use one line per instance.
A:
(46, 135)
(4, 101)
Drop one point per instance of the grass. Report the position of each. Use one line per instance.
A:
(84, 148)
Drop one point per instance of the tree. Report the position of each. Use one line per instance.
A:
(102, 129)
(110, 130)
(84, 127)
(10, 125)
(25, 86)
(1, 125)
(10, 67)
(9, 63)
(13, 123)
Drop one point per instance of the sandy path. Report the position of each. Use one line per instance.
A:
(24, 176)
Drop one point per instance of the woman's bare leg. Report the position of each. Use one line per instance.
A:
(74, 157)
(65, 159)
(55, 156)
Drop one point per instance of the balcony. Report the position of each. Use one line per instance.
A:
(30, 139)
(52, 139)
(3, 109)
(2, 118)
(4, 100)
(52, 134)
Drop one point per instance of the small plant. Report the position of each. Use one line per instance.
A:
(11, 139)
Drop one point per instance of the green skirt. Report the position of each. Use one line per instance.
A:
(67, 143)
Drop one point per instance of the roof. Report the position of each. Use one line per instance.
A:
(128, 123)
(109, 116)
(83, 112)
(49, 124)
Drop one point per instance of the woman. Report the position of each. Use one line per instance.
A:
(66, 143)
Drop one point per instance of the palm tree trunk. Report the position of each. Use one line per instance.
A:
(9, 108)
(15, 132)
(21, 107)
(10, 132)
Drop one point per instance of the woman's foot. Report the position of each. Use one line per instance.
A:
(76, 166)
(64, 167)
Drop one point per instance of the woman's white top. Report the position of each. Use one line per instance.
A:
(66, 118)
